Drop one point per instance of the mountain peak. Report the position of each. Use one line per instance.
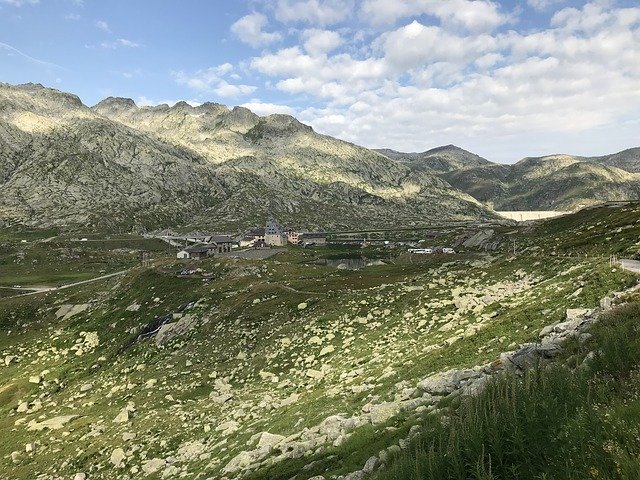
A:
(116, 102)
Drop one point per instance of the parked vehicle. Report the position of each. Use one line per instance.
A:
(423, 251)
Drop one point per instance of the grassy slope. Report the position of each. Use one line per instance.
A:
(239, 337)
(553, 423)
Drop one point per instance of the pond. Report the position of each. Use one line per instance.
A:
(348, 263)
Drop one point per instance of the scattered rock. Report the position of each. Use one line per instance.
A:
(117, 458)
(153, 465)
(55, 423)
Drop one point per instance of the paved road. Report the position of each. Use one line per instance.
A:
(69, 285)
(630, 265)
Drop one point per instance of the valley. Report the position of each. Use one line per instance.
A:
(278, 368)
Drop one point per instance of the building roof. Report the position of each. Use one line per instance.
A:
(257, 232)
(200, 249)
(221, 239)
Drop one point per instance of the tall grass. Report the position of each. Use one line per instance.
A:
(551, 424)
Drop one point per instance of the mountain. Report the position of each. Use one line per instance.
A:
(118, 166)
(439, 160)
(628, 160)
(553, 182)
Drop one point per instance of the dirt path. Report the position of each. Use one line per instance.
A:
(38, 290)
(297, 291)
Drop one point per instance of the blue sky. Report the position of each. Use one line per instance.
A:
(505, 79)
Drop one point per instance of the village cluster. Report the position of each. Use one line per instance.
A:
(272, 235)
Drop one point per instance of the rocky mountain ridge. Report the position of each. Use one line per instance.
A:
(118, 166)
(552, 182)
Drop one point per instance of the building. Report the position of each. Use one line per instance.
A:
(313, 238)
(247, 241)
(260, 245)
(219, 244)
(194, 253)
(292, 235)
(274, 234)
(222, 243)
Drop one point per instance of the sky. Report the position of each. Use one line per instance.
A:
(502, 78)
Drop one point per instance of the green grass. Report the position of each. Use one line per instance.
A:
(553, 423)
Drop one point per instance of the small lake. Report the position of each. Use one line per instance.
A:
(347, 263)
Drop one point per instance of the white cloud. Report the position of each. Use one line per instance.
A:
(265, 108)
(20, 3)
(12, 51)
(314, 12)
(317, 41)
(72, 16)
(250, 30)
(102, 25)
(542, 5)
(213, 80)
(120, 43)
(420, 85)
(472, 15)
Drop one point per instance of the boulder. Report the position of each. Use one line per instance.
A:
(169, 331)
(315, 374)
(384, 412)
(55, 423)
(269, 440)
(153, 465)
(371, 465)
(118, 457)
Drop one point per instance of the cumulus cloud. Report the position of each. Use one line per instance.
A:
(213, 80)
(473, 15)
(266, 108)
(422, 84)
(317, 41)
(250, 30)
(313, 12)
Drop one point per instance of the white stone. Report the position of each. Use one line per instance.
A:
(117, 457)
(269, 440)
(55, 423)
(326, 350)
(315, 374)
(153, 465)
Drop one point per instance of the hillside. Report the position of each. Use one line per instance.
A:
(555, 182)
(439, 160)
(120, 167)
(281, 368)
